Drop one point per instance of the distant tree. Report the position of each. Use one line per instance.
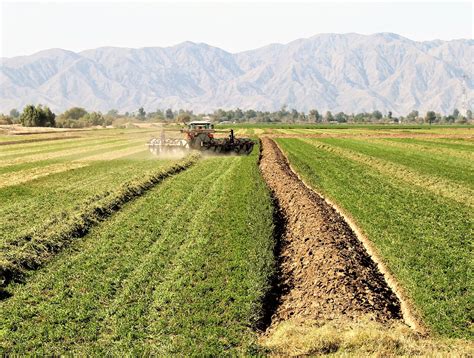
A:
(183, 118)
(430, 117)
(469, 114)
(456, 113)
(449, 119)
(294, 114)
(389, 115)
(4, 119)
(38, 116)
(283, 113)
(249, 114)
(169, 114)
(47, 117)
(14, 113)
(377, 115)
(341, 117)
(112, 113)
(95, 119)
(314, 115)
(141, 113)
(74, 113)
(360, 117)
(413, 116)
(328, 117)
(30, 117)
(238, 114)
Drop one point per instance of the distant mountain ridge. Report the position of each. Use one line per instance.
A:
(337, 72)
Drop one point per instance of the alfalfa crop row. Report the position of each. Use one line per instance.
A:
(32, 250)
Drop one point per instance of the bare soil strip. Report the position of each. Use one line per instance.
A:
(326, 272)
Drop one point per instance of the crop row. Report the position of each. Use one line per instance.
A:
(437, 184)
(455, 169)
(423, 237)
(36, 246)
(182, 269)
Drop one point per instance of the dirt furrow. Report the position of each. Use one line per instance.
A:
(325, 271)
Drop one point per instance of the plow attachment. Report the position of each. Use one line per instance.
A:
(238, 146)
(167, 146)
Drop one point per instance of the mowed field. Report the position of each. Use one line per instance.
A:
(107, 249)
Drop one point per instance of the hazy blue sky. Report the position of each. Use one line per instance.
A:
(28, 27)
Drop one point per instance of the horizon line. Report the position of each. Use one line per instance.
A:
(237, 52)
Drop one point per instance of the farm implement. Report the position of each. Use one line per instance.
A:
(201, 136)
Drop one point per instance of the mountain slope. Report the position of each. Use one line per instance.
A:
(338, 72)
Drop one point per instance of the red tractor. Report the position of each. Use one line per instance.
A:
(200, 136)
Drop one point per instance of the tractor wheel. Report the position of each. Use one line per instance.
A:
(249, 148)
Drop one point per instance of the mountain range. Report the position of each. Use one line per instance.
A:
(337, 72)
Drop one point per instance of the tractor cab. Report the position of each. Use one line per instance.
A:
(200, 125)
(199, 133)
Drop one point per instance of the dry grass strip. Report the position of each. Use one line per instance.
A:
(418, 147)
(116, 154)
(24, 176)
(62, 153)
(365, 338)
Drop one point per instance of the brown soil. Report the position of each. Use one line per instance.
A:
(325, 271)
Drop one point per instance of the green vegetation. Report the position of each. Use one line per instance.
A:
(38, 116)
(422, 236)
(77, 117)
(120, 252)
(37, 245)
(180, 270)
(344, 126)
(51, 191)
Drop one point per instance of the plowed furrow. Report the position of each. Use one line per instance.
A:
(325, 270)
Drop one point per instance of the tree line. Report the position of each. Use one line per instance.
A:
(77, 117)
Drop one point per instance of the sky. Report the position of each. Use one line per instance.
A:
(29, 27)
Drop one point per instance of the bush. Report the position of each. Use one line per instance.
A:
(4, 119)
(38, 116)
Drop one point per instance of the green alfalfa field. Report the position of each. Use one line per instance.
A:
(106, 249)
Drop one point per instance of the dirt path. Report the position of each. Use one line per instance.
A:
(325, 270)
